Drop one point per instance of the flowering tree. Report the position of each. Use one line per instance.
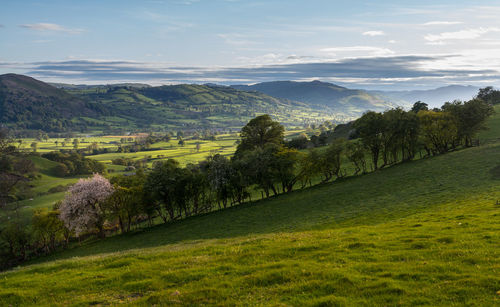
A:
(81, 209)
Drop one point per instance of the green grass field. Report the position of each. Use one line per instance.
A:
(426, 232)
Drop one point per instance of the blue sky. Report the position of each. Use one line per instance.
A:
(362, 44)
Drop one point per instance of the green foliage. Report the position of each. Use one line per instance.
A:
(258, 132)
(470, 117)
(356, 155)
(370, 128)
(49, 230)
(71, 164)
(438, 131)
(17, 239)
(15, 169)
(489, 95)
(299, 142)
(126, 204)
(419, 106)
(26, 103)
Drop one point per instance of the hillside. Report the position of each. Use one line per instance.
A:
(323, 95)
(191, 106)
(32, 104)
(420, 233)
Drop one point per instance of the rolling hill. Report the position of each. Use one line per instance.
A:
(191, 106)
(323, 95)
(424, 232)
(29, 104)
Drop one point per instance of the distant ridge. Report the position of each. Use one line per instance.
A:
(33, 104)
(322, 94)
(86, 86)
(434, 97)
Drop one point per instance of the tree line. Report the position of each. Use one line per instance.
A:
(262, 163)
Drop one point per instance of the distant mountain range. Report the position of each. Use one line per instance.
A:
(67, 86)
(434, 97)
(30, 104)
(342, 99)
(324, 95)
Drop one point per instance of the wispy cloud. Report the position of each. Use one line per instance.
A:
(374, 33)
(235, 39)
(364, 50)
(50, 27)
(376, 72)
(460, 35)
(42, 41)
(442, 23)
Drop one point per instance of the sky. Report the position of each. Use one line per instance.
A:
(388, 45)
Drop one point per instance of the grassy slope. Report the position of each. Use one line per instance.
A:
(47, 180)
(425, 232)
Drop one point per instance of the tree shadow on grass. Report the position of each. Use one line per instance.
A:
(495, 173)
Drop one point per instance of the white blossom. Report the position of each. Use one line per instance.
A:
(80, 210)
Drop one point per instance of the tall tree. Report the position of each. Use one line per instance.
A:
(489, 95)
(127, 200)
(370, 128)
(48, 229)
(288, 171)
(15, 169)
(470, 117)
(419, 106)
(438, 130)
(219, 173)
(356, 155)
(258, 132)
(160, 186)
(330, 160)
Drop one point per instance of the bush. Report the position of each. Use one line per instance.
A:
(57, 189)
(71, 164)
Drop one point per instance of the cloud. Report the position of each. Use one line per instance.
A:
(364, 50)
(50, 27)
(442, 23)
(395, 72)
(235, 39)
(460, 35)
(373, 33)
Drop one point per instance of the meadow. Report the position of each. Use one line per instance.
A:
(424, 232)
